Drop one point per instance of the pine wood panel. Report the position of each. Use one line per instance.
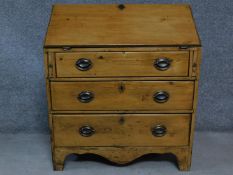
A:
(123, 155)
(118, 49)
(122, 95)
(121, 130)
(123, 112)
(118, 64)
(48, 71)
(106, 79)
(135, 25)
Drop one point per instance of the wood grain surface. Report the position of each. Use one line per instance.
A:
(123, 155)
(122, 64)
(122, 95)
(135, 25)
(121, 130)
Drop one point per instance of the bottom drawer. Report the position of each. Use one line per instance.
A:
(121, 130)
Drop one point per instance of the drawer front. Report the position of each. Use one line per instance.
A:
(121, 130)
(117, 64)
(122, 95)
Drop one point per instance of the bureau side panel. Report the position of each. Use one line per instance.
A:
(49, 72)
(197, 58)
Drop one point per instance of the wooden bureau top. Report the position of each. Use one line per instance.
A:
(125, 25)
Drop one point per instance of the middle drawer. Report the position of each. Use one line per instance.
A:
(122, 95)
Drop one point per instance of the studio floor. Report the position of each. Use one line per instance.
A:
(29, 154)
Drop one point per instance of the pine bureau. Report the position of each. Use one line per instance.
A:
(122, 81)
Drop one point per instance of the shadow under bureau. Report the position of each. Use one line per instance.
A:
(122, 81)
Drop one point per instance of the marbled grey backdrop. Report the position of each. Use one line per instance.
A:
(23, 25)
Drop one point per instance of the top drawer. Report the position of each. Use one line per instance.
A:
(120, 64)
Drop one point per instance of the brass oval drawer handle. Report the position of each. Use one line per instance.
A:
(159, 130)
(161, 96)
(86, 96)
(83, 64)
(86, 131)
(162, 63)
